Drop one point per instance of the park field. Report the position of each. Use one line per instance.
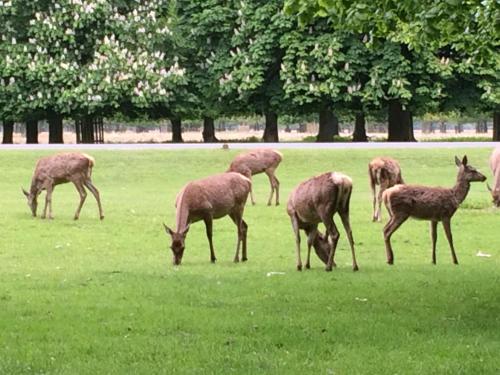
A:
(92, 297)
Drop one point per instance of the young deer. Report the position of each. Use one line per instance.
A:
(207, 199)
(386, 173)
(58, 169)
(258, 161)
(428, 203)
(495, 168)
(316, 201)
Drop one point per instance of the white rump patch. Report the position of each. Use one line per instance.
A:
(243, 177)
(277, 152)
(339, 178)
(90, 158)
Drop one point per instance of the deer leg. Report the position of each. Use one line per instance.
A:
(378, 215)
(447, 230)
(269, 173)
(95, 192)
(393, 224)
(434, 239)
(310, 240)
(83, 196)
(374, 217)
(48, 202)
(237, 219)
(295, 226)
(244, 230)
(208, 226)
(347, 226)
(332, 231)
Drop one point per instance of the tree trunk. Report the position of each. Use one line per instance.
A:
(87, 129)
(359, 134)
(176, 130)
(32, 131)
(8, 132)
(55, 128)
(271, 130)
(209, 130)
(496, 126)
(328, 125)
(400, 127)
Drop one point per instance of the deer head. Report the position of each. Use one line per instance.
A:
(32, 201)
(468, 172)
(177, 246)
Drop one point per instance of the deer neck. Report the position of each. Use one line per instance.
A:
(35, 188)
(461, 188)
(182, 216)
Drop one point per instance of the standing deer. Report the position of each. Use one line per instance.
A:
(428, 203)
(495, 168)
(58, 169)
(207, 199)
(258, 161)
(316, 201)
(386, 173)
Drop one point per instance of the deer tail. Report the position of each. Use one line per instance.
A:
(91, 164)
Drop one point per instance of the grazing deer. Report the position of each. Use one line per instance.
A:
(316, 201)
(258, 161)
(207, 199)
(386, 173)
(58, 169)
(495, 168)
(428, 203)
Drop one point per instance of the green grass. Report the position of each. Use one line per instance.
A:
(91, 297)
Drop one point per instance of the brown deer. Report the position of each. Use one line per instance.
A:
(495, 168)
(258, 161)
(386, 173)
(316, 201)
(208, 199)
(428, 203)
(58, 169)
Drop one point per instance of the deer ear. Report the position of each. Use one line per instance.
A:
(464, 160)
(25, 192)
(168, 230)
(458, 162)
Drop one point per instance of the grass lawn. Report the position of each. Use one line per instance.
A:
(91, 297)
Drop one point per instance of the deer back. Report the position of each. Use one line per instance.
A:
(255, 161)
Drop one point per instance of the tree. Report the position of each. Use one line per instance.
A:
(253, 81)
(459, 35)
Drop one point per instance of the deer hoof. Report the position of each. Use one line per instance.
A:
(244, 259)
(390, 262)
(355, 268)
(101, 217)
(213, 260)
(328, 269)
(75, 218)
(299, 267)
(236, 260)
(308, 266)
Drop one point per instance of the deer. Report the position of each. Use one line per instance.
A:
(495, 168)
(316, 201)
(436, 204)
(386, 173)
(207, 199)
(58, 169)
(258, 161)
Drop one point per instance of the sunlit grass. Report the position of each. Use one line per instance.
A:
(79, 297)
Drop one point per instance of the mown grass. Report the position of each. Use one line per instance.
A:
(90, 297)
